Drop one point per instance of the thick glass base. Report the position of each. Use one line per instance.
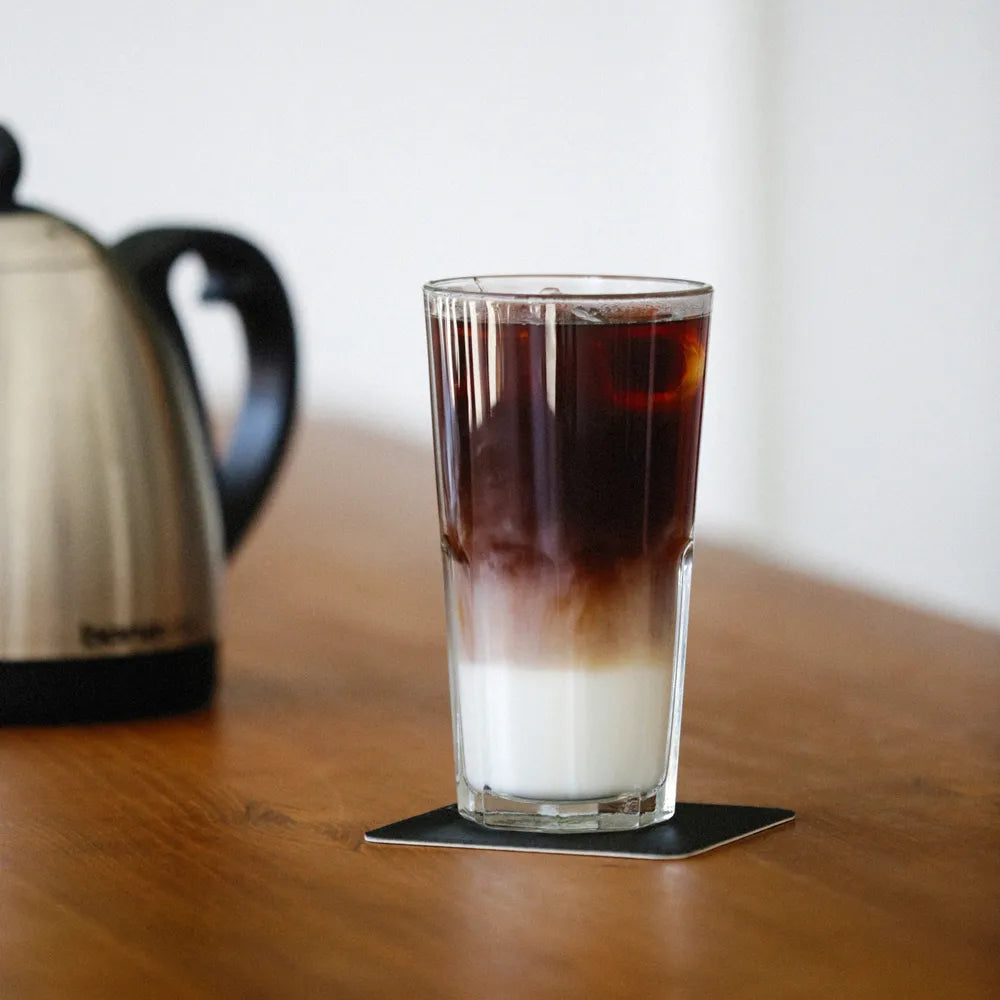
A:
(622, 812)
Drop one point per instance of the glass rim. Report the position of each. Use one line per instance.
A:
(470, 287)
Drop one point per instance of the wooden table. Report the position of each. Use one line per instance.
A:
(221, 854)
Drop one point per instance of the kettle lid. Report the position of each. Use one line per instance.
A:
(10, 169)
(29, 238)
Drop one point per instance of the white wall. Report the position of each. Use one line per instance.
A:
(812, 160)
(883, 400)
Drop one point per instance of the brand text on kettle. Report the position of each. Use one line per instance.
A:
(114, 635)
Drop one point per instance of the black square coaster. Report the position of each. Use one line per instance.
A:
(695, 828)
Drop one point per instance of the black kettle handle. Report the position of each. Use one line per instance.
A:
(240, 274)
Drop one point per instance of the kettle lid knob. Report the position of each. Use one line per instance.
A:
(10, 168)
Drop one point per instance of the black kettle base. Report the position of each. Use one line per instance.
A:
(37, 692)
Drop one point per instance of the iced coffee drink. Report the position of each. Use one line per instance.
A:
(567, 413)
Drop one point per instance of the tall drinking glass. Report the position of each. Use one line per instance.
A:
(567, 414)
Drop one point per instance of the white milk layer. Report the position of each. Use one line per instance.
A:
(550, 732)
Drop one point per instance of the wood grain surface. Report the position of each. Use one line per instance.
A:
(221, 854)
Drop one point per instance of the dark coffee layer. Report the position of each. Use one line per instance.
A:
(568, 443)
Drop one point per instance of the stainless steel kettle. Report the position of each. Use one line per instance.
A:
(115, 516)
